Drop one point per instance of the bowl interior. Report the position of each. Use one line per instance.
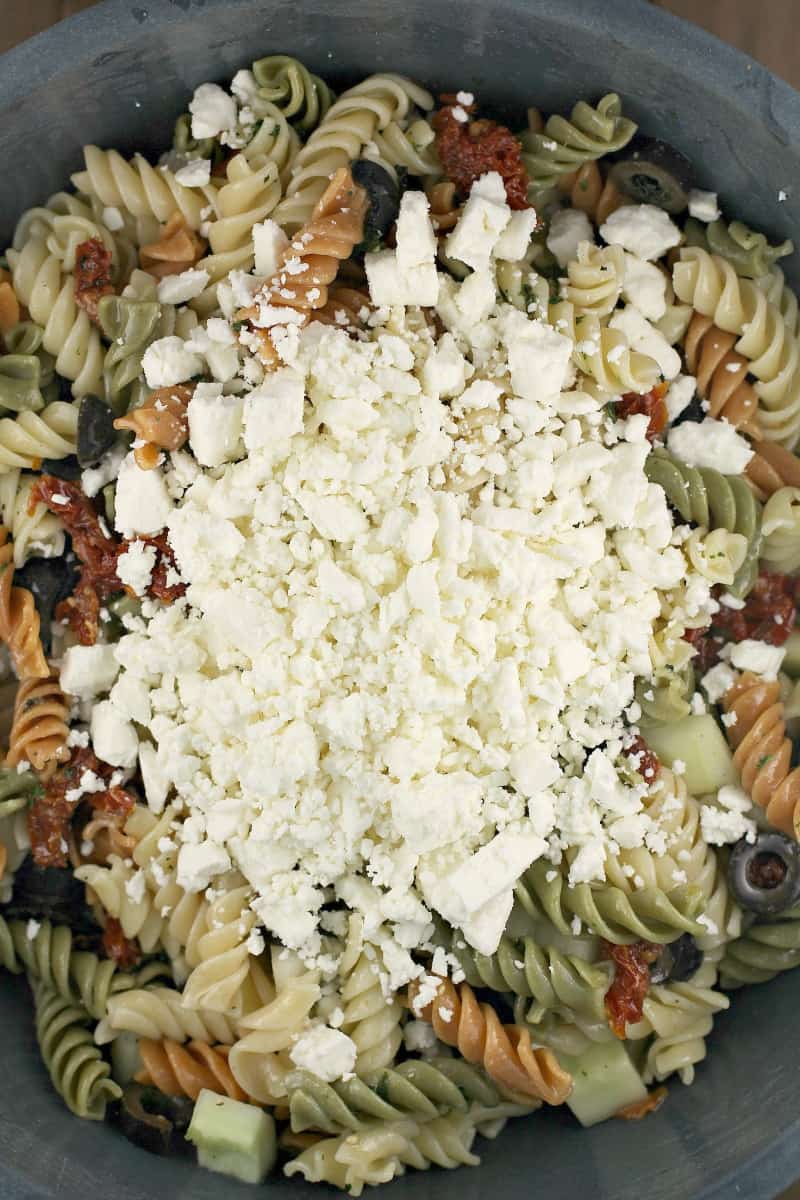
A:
(119, 75)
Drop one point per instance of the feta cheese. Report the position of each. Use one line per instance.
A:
(710, 443)
(759, 657)
(644, 285)
(645, 338)
(384, 278)
(168, 361)
(679, 396)
(213, 111)
(143, 504)
(516, 237)
(568, 228)
(196, 173)
(327, 1053)
(483, 219)
(113, 219)
(179, 289)
(215, 425)
(88, 671)
(644, 230)
(113, 738)
(703, 206)
(538, 356)
(199, 863)
(274, 411)
(717, 681)
(269, 243)
(135, 566)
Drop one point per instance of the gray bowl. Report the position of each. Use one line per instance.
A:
(119, 75)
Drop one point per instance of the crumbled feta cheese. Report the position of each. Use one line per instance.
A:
(196, 173)
(703, 206)
(515, 238)
(680, 395)
(88, 671)
(135, 566)
(168, 361)
(274, 411)
(645, 338)
(645, 287)
(717, 681)
(113, 219)
(143, 504)
(179, 289)
(215, 425)
(759, 657)
(327, 1053)
(644, 230)
(113, 738)
(483, 219)
(710, 443)
(199, 863)
(213, 111)
(269, 243)
(568, 228)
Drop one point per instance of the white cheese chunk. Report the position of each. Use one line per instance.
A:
(213, 111)
(644, 230)
(215, 425)
(179, 289)
(113, 737)
(196, 173)
(143, 504)
(135, 566)
(645, 338)
(703, 206)
(199, 864)
(538, 356)
(484, 217)
(274, 411)
(515, 238)
(269, 243)
(327, 1053)
(645, 287)
(759, 657)
(710, 443)
(679, 396)
(568, 228)
(168, 361)
(88, 671)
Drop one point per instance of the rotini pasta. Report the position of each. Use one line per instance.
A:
(748, 251)
(142, 190)
(292, 90)
(588, 191)
(764, 950)
(79, 1073)
(34, 530)
(40, 725)
(781, 548)
(160, 423)
(594, 280)
(604, 354)
(19, 620)
(179, 1070)
(30, 437)
(721, 374)
(158, 1013)
(564, 145)
(762, 751)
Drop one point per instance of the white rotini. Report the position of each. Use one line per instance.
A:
(680, 1016)
(603, 354)
(143, 190)
(223, 959)
(28, 438)
(33, 532)
(717, 555)
(780, 549)
(349, 125)
(594, 279)
(49, 296)
(158, 1012)
(260, 1059)
(710, 284)
(274, 141)
(120, 891)
(370, 1019)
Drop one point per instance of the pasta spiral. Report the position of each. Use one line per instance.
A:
(77, 1070)
(160, 423)
(30, 437)
(34, 530)
(143, 190)
(249, 194)
(545, 975)
(350, 123)
(178, 1070)
(16, 790)
(69, 335)
(422, 1089)
(772, 467)
(78, 976)
(19, 620)
(680, 1016)
(504, 1051)
(158, 1012)
(589, 192)
(781, 549)
(223, 959)
(763, 752)
(40, 725)
(614, 914)
(564, 144)
(594, 279)
(721, 374)
(120, 894)
(763, 951)
(708, 498)
(749, 251)
(604, 354)
(130, 325)
(301, 97)
(710, 284)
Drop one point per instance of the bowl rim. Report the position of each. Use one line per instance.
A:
(724, 70)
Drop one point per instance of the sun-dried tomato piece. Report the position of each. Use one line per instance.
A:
(643, 759)
(468, 149)
(51, 813)
(642, 1108)
(124, 951)
(651, 403)
(92, 276)
(630, 985)
(162, 586)
(114, 800)
(769, 615)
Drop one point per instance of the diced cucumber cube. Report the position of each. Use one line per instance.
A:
(233, 1138)
(699, 743)
(791, 662)
(604, 1081)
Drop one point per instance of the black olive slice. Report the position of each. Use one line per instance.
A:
(53, 894)
(63, 468)
(95, 430)
(765, 875)
(694, 411)
(49, 580)
(677, 962)
(653, 172)
(384, 200)
(153, 1121)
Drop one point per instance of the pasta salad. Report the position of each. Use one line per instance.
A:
(398, 586)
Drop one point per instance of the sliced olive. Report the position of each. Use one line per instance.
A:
(384, 200)
(694, 411)
(95, 430)
(52, 894)
(49, 580)
(677, 962)
(63, 468)
(653, 172)
(765, 875)
(154, 1121)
